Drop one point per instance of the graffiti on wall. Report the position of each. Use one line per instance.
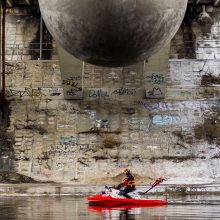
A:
(154, 78)
(70, 82)
(155, 92)
(72, 87)
(168, 120)
(37, 93)
(75, 92)
(125, 91)
(98, 93)
(24, 92)
(68, 140)
(55, 91)
(155, 85)
(111, 92)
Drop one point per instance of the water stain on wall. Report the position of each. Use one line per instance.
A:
(210, 80)
(209, 130)
(6, 139)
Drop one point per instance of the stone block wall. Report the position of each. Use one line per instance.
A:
(23, 35)
(198, 37)
(114, 125)
(94, 138)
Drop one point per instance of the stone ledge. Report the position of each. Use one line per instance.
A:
(82, 190)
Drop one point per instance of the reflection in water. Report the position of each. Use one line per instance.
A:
(120, 212)
(71, 208)
(169, 212)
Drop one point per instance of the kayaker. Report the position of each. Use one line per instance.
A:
(128, 184)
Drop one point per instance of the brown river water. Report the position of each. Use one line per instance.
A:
(73, 208)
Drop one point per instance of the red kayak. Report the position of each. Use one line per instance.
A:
(112, 197)
(108, 200)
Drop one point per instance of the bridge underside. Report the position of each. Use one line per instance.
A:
(14, 3)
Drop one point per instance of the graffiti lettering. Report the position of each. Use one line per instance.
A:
(73, 92)
(70, 83)
(29, 92)
(150, 106)
(71, 109)
(71, 140)
(155, 92)
(161, 106)
(102, 124)
(155, 79)
(55, 92)
(83, 146)
(124, 91)
(98, 93)
(167, 120)
(63, 149)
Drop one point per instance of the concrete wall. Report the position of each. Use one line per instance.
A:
(23, 35)
(170, 130)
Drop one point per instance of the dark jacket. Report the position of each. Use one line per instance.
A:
(128, 182)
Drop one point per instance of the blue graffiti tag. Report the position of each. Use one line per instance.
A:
(167, 120)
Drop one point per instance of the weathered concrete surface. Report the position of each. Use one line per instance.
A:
(198, 36)
(23, 35)
(90, 141)
(6, 139)
(59, 140)
(113, 33)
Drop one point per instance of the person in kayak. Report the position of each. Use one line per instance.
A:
(128, 184)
